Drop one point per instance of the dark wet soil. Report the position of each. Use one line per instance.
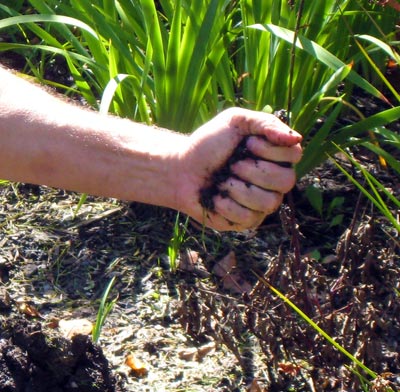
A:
(207, 193)
(35, 360)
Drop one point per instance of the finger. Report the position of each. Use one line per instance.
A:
(216, 221)
(270, 152)
(237, 214)
(266, 175)
(251, 196)
(260, 123)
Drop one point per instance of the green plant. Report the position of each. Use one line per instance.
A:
(171, 53)
(176, 242)
(178, 63)
(104, 310)
(268, 38)
(375, 191)
(322, 141)
(329, 212)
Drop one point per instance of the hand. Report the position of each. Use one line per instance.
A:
(251, 188)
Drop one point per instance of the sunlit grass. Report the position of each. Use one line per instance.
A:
(105, 308)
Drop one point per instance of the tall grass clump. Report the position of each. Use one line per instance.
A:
(163, 56)
(319, 61)
(177, 63)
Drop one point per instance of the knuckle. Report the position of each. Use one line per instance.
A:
(298, 154)
(276, 201)
(289, 181)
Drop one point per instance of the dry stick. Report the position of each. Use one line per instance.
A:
(294, 232)
(299, 271)
(292, 59)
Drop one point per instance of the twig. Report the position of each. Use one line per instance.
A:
(292, 219)
(292, 59)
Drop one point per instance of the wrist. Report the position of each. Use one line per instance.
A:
(153, 165)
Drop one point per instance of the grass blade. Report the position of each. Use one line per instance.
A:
(38, 18)
(321, 54)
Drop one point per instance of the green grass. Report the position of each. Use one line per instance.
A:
(176, 243)
(105, 308)
(375, 191)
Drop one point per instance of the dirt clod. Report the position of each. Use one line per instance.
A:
(35, 360)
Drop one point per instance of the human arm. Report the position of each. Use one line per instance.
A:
(44, 140)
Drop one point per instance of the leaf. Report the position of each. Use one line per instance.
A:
(321, 54)
(138, 368)
(235, 283)
(197, 353)
(231, 280)
(225, 265)
(28, 310)
(289, 368)
(71, 328)
(15, 20)
(314, 196)
(190, 261)
(337, 220)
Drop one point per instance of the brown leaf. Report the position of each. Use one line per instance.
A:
(71, 328)
(189, 260)
(289, 368)
(188, 354)
(52, 323)
(28, 310)
(256, 387)
(197, 354)
(236, 283)
(225, 265)
(138, 368)
(231, 279)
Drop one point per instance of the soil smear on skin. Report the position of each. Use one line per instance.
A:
(240, 153)
(208, 193)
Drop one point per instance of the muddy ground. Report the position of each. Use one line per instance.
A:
(211, 325)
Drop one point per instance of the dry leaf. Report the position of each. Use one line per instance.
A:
(52, 323)
(188, 260)
(256, 387)
(225, 265)
(196, 354)
(28, 310)
(289, 368)
(236, 283)
(231, 279)
(188, 354)
(138, 368)
(71, 328)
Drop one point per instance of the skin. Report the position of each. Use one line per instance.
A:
(46, 141)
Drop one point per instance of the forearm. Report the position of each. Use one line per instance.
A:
(47, 141)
